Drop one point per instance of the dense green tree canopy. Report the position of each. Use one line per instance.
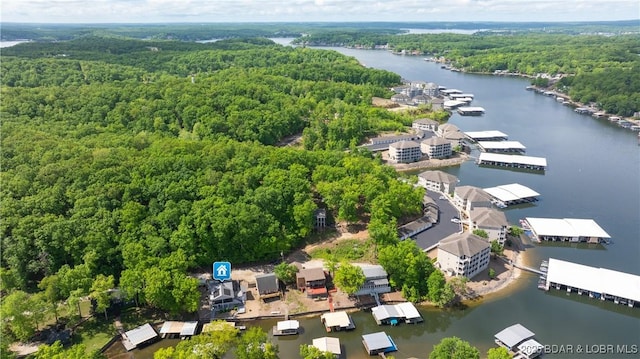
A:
(454, 348)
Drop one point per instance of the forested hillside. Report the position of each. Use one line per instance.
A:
(134, 161)
(603, 69)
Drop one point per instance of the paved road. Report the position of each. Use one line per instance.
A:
(443, 228)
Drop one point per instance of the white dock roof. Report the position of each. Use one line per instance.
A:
(566, 227)
(501, 145)
(471, 109)
(525, 160)
(288, 325)
(328, 344)
(336, 319)
(409, 310)
(477, 135)
(511, 192)
(139, 335)
(598, 280)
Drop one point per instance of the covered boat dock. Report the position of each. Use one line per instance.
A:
(566, 230)
(379, 342)
(600, 283)
(337, 321)
(511, 194)
(501, 146)
(491, 135)
(471, 111)
(394, 313)
(328, 344)
(140, 336)
(519, 341)
(178, 329)
(513, 161)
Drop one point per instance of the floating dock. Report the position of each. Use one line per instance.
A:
(565, 230)
(501, 147)
(510, 194)
(337, 321)
(513, 161)
(492, 135)
(286, 327)
(599, 283)
(519, 342)
(380, 342)
(471, 111)
(393, 314)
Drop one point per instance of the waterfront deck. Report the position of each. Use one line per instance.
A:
(599, 283)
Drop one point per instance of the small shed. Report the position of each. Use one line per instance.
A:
(328, 344)
(139, 336)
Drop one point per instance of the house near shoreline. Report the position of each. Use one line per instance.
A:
(267, 286)
(226, 295)
(376, 280)
(404, 152)
(490, 220)
(313, 281)
(425, 124)
(463, 254)
(436, 147)
(466, 198)
(438, 181)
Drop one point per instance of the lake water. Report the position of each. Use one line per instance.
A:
(593, 172)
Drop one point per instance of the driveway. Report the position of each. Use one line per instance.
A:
(443, 228)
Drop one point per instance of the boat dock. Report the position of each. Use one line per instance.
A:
(565, 230)
(471, 111)
(511, 194)
(501, 147)
(599, 283)
(492, 135)
(513, 161)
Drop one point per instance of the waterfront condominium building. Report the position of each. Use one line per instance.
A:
(467, 198)
(463, 254)
(490, 220)
(438, 181)
(404, 151)
(436, 147)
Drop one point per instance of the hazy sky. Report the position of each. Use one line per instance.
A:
(147, 11)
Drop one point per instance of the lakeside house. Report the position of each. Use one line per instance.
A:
(226, 295)
(436, 147)
(425, 124)
(404, 152)
(490, 220)
(267, 286)
(376, 281)
(313, 281)
(463, 254)
(467, 198)
(438, 181)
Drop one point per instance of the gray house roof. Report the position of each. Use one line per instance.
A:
(438, 176)
(426, 121)
(472, 194)
(373, 271)
(267, 283)
(405, 144)
(466, 243)
(435, 141)
(447, 127)
(488, 217)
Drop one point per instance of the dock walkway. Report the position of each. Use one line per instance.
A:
(523, 267)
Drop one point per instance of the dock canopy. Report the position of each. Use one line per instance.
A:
(385, 312)
(502, 146)
(286, 325)
(328, 344)
(336, 319)
(605, 282)
(571, 229)
(516, 161)
(512, 193)
(377, 342)
(512, 336)
(138, 336)
(491, 135)
(409, 312)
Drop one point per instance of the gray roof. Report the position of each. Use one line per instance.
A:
(447, 127)
(488, 217)
(438, 176)
(376, 341)
(372, 271)
(267, 283)
(514, 335)
(472, 193)
(434, 141)
(404, 144)
(383, 312)
(453, 135)
(465, 243)
(141, 334)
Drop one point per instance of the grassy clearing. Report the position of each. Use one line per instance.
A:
(94, 333)
(347, 250)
